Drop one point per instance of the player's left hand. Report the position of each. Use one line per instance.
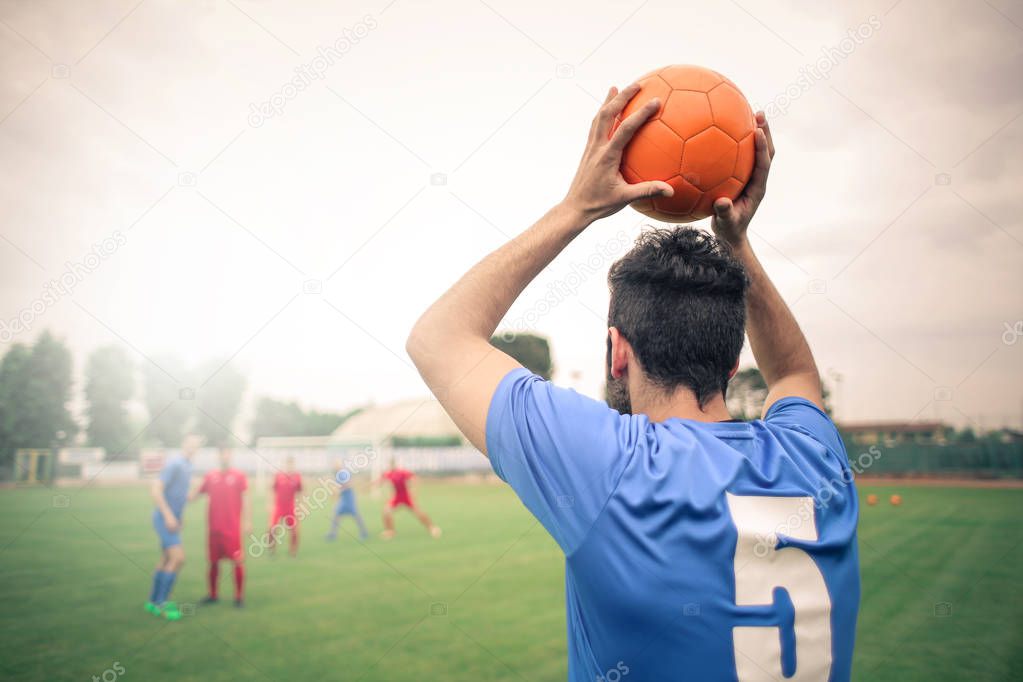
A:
(731, 219)
(598, 189)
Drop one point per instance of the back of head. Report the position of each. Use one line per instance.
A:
(679, 299)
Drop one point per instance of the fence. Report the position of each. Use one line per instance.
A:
(966, 460)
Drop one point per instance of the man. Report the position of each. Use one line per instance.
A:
(399, 479)
(346, 505)
(169, 492)
(228, 519)
(285, 486)
(696, 547)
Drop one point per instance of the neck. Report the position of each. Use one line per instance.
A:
(682, 404)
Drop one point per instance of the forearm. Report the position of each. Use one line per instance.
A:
(778, 344)
(476, 303)
(156, 492)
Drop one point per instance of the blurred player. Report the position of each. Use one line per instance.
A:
(170, 492)
(286, 485)
(345, 503)
(664, 506)
(400, 478)
(229, 519)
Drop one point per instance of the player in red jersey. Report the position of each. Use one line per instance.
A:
(400, 478)
(229, 518)
(286, 485)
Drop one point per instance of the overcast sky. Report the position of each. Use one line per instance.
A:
(302, 242)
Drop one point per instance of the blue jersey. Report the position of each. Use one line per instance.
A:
(693, 551)
(176, 476)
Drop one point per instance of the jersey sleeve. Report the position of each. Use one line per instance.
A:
(244, 484)
(169, 473)
(562, 453)
(799, 414)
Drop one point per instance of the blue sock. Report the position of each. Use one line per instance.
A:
(155, 592)
(168, 585)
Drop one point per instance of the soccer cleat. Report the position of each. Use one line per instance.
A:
(435, 531)
(238, 604)
(209, 601)
(387, 534)
(170, 611)
(152, 608)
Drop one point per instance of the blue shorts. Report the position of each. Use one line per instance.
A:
(345, 506)
(167, 538)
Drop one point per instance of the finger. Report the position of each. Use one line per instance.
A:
(645, 190)
(632, 123)
(726, 212)
(757, 185)
(766, 127)
(610, 110)
(595, 125)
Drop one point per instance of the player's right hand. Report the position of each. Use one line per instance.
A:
(598, 189)
(731, 219)
(172, 523)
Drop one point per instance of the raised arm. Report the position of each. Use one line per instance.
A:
(778, 344)
(450, 344)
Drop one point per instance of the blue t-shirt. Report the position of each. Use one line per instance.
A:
(176, 476)
(702, 551)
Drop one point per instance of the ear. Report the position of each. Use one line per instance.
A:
(735, 368)
(621, 351)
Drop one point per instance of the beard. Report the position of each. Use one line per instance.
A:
(616, 391)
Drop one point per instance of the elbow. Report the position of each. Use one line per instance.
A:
(417, 344)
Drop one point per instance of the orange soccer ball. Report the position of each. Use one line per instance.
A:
(896, 500)
(871, 499)
(700, 142)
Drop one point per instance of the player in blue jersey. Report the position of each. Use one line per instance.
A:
(170, 492)
(346, 505)
(696, 547)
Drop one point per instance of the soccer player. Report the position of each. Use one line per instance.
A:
(400, 479)
(345, 504)
(229, 519)
(696, 546)
(285, 486)
(170, 491)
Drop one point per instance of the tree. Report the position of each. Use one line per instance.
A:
(218, 397)
(168, 404)
(532, 350)
(747, 392)
(35, 387)
(109, 384)
(279, 418)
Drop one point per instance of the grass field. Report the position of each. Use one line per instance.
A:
(485, 602)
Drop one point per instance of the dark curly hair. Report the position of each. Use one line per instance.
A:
(679, 298)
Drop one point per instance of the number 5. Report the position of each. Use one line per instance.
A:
(760, 567)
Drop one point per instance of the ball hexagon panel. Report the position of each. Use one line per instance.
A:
(682, 202)
(687, 77)
(650, 86)
(731, 112)
(687, 113)
(657, 150)
(746, 158)
(710, 158)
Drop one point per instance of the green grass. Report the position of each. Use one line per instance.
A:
(73, 580)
